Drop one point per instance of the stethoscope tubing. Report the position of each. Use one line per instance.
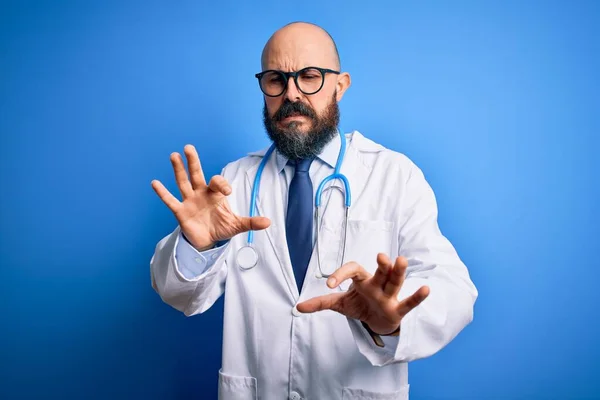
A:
(248, 253)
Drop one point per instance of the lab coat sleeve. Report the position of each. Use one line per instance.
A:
(187, 287)
(432, 261)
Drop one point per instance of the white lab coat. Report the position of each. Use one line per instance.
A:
(270, 350)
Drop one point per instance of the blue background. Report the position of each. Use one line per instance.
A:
(497, 102)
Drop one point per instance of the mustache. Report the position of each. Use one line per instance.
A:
(288, 109)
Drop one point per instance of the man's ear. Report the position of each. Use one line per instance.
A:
(343, 83)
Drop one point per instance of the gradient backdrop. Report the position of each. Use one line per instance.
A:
(498, 103)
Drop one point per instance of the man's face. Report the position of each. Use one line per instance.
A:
(315, 104)
(300, 125)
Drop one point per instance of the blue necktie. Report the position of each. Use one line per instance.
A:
(299, 220)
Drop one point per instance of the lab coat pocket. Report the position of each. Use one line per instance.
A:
(359, 394)
(367, 238)
(236, 387)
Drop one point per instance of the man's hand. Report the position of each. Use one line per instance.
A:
(372, 299)
(204, 214)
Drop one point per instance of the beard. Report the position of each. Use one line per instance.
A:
(291, 141)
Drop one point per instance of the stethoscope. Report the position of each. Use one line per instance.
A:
(247, 256)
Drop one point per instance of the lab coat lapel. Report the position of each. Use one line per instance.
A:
(356, 171)
(269, 204)
(333, 213)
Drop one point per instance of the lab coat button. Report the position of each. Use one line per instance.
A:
(296, 313)
(295, 396)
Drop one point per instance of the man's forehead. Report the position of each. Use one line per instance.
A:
(295, 59)
(298, 45)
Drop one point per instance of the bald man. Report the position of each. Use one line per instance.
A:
(331, 304)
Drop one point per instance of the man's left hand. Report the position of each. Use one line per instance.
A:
(372, 299)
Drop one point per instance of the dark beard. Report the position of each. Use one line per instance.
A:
(297, 145)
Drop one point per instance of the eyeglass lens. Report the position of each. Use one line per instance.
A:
(309, 81)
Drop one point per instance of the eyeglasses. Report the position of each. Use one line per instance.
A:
(308, 80)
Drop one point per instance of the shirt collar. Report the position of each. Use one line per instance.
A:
(329, 154)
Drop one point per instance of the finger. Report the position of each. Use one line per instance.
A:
(396, 277)
(381, 274)
(194, 166)
(181, 176)
(350, 270)
(412, 301)
(166, 196)
(327, 302)
(219, 184)
(254, 223)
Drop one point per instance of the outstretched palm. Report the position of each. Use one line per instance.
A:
(372, 299)
(204, 214)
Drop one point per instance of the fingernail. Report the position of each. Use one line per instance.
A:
(331, 282)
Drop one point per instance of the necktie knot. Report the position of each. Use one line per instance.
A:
(303, 165)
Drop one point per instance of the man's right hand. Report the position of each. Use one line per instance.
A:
(203, 214)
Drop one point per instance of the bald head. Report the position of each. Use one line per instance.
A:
(298, 45)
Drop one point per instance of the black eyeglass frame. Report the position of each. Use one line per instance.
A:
(294, 75)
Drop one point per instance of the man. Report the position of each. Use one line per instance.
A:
(402, 292)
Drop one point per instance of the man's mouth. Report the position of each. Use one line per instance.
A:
(293, 116)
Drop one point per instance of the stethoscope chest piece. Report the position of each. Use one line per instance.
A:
(247, 257)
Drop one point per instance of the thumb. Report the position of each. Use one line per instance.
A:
(254, 223)
(325, 302)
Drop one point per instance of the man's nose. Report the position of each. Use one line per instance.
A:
(292, 93)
